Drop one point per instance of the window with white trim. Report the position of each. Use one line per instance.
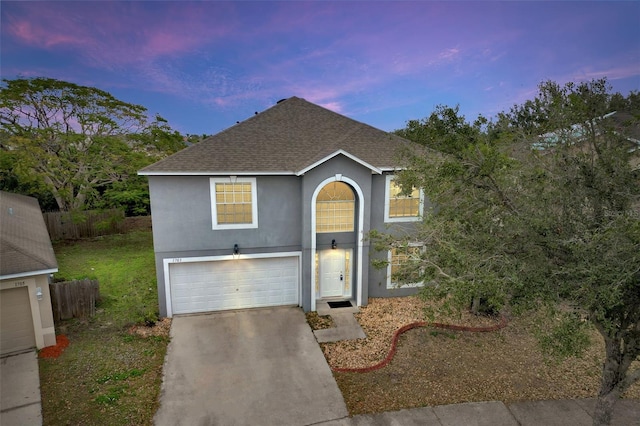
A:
(399, 206)
(403, 269)
(234, 203)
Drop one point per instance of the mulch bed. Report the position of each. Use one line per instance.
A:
(56, 350)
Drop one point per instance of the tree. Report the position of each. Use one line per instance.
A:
(517, 228)
(77, 140)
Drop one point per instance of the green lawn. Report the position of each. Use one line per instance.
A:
(107, 375)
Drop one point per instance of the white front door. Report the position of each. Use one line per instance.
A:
(334, 273)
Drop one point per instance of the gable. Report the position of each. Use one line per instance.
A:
(286, 139)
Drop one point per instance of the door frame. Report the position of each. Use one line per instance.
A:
(359, 236)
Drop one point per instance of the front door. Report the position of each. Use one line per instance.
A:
(334, 273)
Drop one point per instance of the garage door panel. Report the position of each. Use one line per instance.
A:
(16, 323)
(233, 284)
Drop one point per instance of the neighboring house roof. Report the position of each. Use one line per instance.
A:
(621, 122)
(25, 246)
(289, 138)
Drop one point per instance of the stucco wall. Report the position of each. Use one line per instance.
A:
(182, 222)
(378, 277)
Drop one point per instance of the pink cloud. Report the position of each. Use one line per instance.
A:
(112, 34)
(612, 73)
(36, 35)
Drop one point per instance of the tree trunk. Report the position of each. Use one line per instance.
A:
(475, 305)
(612, 378)
(604, 408)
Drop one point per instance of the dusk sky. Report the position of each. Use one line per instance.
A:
(205, 65)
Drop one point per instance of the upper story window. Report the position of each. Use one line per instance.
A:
(399, 206)
(335, 208)
(234, 203)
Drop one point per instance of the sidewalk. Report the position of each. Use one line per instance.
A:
(569, 412)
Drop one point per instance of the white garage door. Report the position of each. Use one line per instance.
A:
(16, 324)
(233, 284)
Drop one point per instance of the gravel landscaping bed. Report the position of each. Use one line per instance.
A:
(379, 320)
(435, 367)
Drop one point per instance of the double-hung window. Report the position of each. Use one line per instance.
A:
(401, 206)
(234, 203)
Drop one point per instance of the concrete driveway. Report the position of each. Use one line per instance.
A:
(20, 402)
(253, 367)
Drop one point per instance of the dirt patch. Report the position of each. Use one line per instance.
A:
(319, 322)
(160, 328)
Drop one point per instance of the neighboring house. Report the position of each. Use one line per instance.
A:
(621, 123)
(276, 211)
(26, 262)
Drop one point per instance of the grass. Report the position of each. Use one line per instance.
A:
(107, 375)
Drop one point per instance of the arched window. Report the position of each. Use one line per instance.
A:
(335, 208)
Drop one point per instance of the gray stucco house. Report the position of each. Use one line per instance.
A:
(275, 210)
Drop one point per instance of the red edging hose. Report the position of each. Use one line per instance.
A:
(396, 336)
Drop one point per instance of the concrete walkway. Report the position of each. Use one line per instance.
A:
(20, 402)
(346, 326)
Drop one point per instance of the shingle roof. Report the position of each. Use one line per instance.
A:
(285, 139)
(25, 246)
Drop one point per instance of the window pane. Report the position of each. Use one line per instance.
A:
(403, 205)
(335, 208)
(234, 203)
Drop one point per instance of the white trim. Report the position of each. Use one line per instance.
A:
(360, 237)
(212, 173)
(254, 203)
(338, 152)
(168, 261)
(387, 219)
(28, 274)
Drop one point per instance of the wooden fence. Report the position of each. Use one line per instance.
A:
(86, 224)
(74, 299)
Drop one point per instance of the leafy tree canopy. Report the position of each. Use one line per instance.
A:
(78, 142)
(540, 207)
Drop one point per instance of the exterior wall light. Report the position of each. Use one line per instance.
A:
(39, 293)
(333, 244)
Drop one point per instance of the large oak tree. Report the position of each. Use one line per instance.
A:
(539, 208)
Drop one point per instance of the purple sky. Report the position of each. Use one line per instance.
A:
(205, 65)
